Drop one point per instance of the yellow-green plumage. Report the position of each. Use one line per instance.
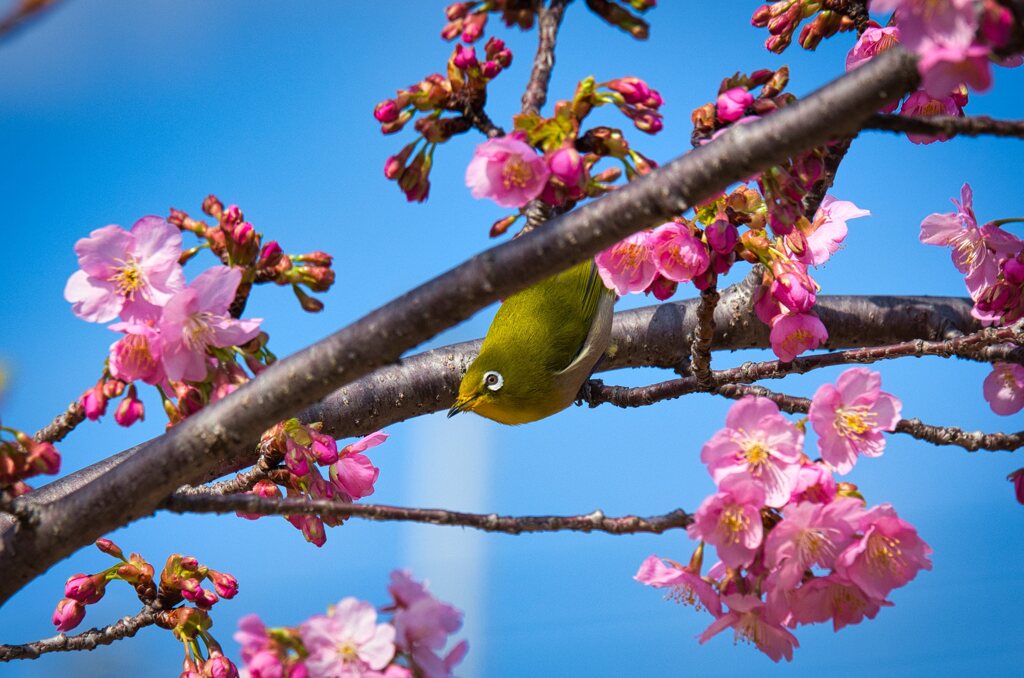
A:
(542, 344)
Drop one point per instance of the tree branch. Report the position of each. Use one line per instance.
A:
(230, 427)
(703, 335)
(593, 522)
(63, 424)
(548, 22)
(938, 435)
(947, 125)
(125, 627)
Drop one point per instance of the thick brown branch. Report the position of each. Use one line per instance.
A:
(972, 441)
(221, 432)
(592, 522)
(88, 640)
(947, 125)
(550, 18)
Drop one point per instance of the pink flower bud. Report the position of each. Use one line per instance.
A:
(490, 69)
(84, 588)
(226, 585)
(566, 165)
(464, 58)
(244, 234)
(130, 410)
(722, 236)
(636, 92)
(393, 168)
(270, 255)
(648, 121)
(113, 388)
(43, 458)
(110, 548)
(212, 206)
(232, 216)
(1017, 478)
(792, 292)
(386, 111)
(1013, 270)
(662, 288)
(732, 104)
(324, 448)
(219, 666)
(68, 615)
(295, 459)
(457, 10)
(94, 402)
(473, 27)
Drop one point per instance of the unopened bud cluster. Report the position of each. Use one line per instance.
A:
(23, 457)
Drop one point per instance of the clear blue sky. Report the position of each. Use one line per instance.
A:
(113, 110)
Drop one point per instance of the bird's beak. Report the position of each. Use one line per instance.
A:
(461, 405)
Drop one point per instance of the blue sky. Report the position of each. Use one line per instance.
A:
(109, 111)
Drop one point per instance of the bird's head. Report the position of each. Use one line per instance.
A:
(499, 388)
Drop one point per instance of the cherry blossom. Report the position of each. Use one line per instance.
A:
(629, 265)
(795, 333)
(888, 555)
(347, 642)
(195, 319)
(829, 229)
(1004, 388)
(832, 597)
(684, 585)
(849, 417)
(679, 255)
(757, 445)
(730, 521)
(507, 170)
(732, 104)
(752, 622)
(126, 272)
(423, 624)
(809, 534)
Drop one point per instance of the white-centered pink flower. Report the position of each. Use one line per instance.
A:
(832, 597)
(758, 446)
(1004, 388)
(347, 642)
(629, 265)
(753, 623)
(829, 229)
(731, 522)
(126, 273)
(796, 333)
(196, 319)
(887, 556)
(507, 170)
(850, 417)
(684, 585)
(679, 255)
(809, 534)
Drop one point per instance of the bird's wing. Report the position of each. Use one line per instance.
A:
(582, 298)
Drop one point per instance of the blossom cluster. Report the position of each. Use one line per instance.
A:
(183, 338)
(697, 251)
(350, 641)
(21, 458)
(304, 449)
(180, 580)
(796, 547)
(553, 160)
(784, 17)
(992, 262)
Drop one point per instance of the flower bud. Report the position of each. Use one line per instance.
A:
(386, 111)
(68, 615)
(566, 165)
(732, 104)
(109, 547)
(232, 216)
(270, 255)
(662, 288)
(465, 58)
(94, 402)
(212, 206)
(490, 69)
(457, 10)
(219, 666)
(226, 585)
(113, 388)
(473, 27)
(722, 236)
(1013, 270)
(130, 410)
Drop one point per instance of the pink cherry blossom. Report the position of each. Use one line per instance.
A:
(732, 104)
(976, 251)
(871, 43)
(94, 402)
(423, 624)
(628, 266)
(757, 445)
(684, 585)
(829, 229)
(68, 615)
(137, 355)
(849, 417)
(793, 287)
(1004, 388)
(348, 642)
(921, 104)
(731, 522)
(125, 272)
(795, 333)
(130, 409)
(353, 473)
(814, 483)
(677, 253)
(753, 623)
(809, 534)
(195, 319)
(943, 69)
(926, 23)
(832, 597)
(507, 170)
(887, 556)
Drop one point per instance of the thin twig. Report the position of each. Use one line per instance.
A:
(700, 348)
(947, 125)
(125, 627)
(22, 13)
(62, 424)
(593, 522)
(972, 441)
(550, 18)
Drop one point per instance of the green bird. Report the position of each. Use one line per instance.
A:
(541, 346)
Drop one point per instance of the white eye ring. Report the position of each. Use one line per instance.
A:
(493, 380)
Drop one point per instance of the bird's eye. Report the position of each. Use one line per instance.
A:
(493, 380)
